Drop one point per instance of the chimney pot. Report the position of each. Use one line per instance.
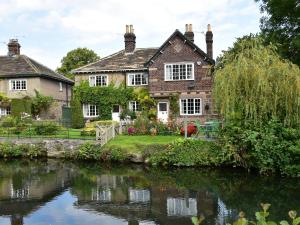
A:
(209, 41)
(189, 34)
(129, 39)
(13, 47)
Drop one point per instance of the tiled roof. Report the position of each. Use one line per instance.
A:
(120, 61)
(23, 66)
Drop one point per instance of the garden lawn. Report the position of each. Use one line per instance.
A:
(135, 143)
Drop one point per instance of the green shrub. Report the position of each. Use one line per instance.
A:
(88, 151)
(11, 150)
(117, 154)
(8, 121)
(19, 106)
(47, 128)
(91, 133)
(190, 152)
(77, 114)
(40, 103)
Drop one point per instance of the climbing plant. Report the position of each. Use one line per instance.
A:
(148, 104)
(103, 97)
(40, 103)
(174, 106)
(255, 85)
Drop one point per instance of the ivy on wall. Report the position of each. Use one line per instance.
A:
(174, 106)
(19, 106)
(103, 97)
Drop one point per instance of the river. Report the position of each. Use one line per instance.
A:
(54, 192)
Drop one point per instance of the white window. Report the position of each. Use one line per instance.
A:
(4, 111)
(182, 207)
(134, 106)
(90, 110)
(139, 195)
(98, 80)
(17, 85)
(190, 106)
(137, 79)
(179, 71)
(60, 86)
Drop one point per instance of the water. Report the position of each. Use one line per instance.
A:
(64, 193)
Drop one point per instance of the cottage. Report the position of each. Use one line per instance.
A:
(177, 68)
(21, 76)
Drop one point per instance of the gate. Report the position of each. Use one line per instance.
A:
(66, 116)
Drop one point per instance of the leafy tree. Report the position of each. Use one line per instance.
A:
(281, 25)
(75, 59)
(77, 116)
(255, 85)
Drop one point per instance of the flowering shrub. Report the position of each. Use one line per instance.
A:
(191, 129)
(131, 130)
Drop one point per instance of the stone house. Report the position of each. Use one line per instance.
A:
(20, 76)
(177, 68)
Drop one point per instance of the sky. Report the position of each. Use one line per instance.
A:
(48, 29)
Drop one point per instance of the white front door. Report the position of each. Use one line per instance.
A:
(116, 113)
(163, 111)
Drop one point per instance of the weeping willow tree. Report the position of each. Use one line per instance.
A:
(253, 85)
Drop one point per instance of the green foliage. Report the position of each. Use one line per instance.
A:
(88, 151)
(127, 113)
(190, 152)
(272, 148)
(75, 59)
(255, 85)
(46, 128)
(8, 121)
(174, 106)
(148, 104)
(4, 98)
(117, 154)
(19, 106)
(40, 103)
(103, 97)
(77, 119)
(10, 150)
(280, 24)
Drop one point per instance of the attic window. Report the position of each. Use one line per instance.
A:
(179, 71)
(98, 80)
(18, 85)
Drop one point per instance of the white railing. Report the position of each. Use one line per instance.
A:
(105, 133)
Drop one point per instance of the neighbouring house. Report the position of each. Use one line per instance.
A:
(21, 76)
(177, 68)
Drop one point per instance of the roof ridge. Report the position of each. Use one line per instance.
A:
(101, 59)
(30, 64)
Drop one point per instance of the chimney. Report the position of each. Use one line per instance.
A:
(13, 47)
(209, 41)
(129, 39)
(189, 34)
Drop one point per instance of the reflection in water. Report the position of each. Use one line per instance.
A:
(57, 193)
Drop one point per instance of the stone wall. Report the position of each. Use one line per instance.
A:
(56, 148)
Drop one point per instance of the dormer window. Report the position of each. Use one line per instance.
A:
(98, 80)
(179, 71)
(18, 85)
(137, 79)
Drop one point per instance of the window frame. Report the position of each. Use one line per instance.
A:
(167, 76)
(60, 86)
(5, 111)
(194, 104)
(95, 77)
(136, 108)
(20, 85)
(134, 74)
(86, 114)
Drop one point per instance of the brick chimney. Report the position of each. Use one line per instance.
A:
(209, 41)
(129, 39)
(189, 34)
(13, 47)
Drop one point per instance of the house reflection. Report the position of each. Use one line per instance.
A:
(24, 191)
(120, 197)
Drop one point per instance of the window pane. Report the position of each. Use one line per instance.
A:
(190, 106)
(92, 81)
(169, 72)
(189, 71)
(138, 79)
(175, 72)
(145, 79)
(197, 106)
(162, 107)
(182, 71)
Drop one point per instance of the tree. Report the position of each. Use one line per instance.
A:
(75, 59)
(281, 26)
(77, 115)
(255, 85)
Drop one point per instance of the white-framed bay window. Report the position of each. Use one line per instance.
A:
(191, 106)
(98, 80)
(18, 85)
(179, 71)
(134, 106)
(137, 79)
(90, 110)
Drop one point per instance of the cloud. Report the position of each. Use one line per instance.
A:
(100, 24)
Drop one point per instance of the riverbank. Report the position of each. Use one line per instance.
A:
(154, 150)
